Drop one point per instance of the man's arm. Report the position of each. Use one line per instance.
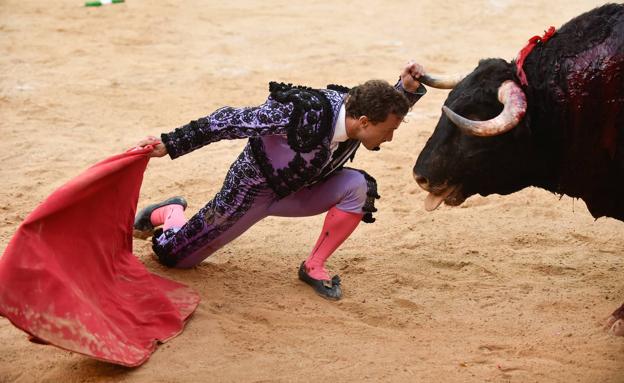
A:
(229, 123)
(408, 83)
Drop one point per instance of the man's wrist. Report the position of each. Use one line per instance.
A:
(419, 90)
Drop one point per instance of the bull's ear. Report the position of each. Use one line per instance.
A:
(510, 95)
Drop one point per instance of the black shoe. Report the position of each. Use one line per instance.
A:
(143, 227)
(328, 289)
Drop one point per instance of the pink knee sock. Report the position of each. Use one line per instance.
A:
(169, 216)
(337, 227)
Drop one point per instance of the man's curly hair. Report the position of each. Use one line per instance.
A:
(376, 99)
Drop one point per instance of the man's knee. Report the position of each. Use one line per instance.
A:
(163, 247)
(356, 190)
(361, 194)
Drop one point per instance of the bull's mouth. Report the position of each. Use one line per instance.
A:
(450, 195)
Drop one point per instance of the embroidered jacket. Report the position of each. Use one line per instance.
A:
(289, 135)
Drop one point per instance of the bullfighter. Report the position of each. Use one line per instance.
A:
(292, 166)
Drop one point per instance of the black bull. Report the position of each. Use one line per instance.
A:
(563, 130)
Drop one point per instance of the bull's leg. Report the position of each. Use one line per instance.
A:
(615, 323)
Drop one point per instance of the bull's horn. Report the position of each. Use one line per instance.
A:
(446, 82)
(514, 99)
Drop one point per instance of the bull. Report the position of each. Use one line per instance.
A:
(552, 118)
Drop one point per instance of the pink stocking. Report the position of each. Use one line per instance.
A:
(169, 216)
(337, 227)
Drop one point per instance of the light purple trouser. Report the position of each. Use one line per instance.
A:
(236, 208)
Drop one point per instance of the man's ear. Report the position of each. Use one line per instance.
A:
(363, 121)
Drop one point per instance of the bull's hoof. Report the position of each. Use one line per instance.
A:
(615, 323)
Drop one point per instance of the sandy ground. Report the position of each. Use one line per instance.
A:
(500, 289)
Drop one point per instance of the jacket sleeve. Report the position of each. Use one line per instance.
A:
(411, 96)
(270, 118)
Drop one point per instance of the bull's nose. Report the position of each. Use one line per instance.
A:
(423, 182)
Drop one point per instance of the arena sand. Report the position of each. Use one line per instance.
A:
(501, 289)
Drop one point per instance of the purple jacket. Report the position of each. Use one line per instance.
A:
(289, 135)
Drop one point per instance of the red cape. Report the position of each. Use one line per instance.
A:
(68, 276)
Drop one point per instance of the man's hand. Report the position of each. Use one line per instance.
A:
(410, 75)
(159, 148)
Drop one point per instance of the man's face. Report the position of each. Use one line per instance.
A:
(372, 135)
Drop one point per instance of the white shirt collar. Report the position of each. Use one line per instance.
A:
(340, 131)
